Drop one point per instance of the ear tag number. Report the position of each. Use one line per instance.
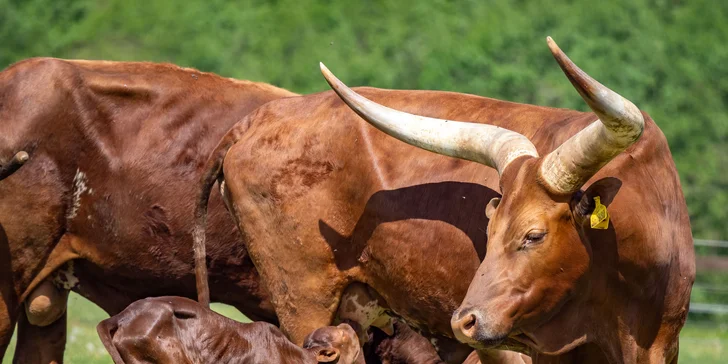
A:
(600, 217)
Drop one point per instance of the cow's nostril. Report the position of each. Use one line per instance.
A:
(465, 326)
(469, 322)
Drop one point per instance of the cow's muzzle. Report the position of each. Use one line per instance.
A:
(470, 327)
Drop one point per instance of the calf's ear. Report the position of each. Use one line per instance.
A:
(327, 355)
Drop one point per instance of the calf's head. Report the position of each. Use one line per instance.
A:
(535, 257)
(334, 344)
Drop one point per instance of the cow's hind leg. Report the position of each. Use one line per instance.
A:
(46, 304)
(8, 297)
(8, 310)
(40, 344)
(301, 308)
(42, 325)
(281, 231)
(305, 287)
(305, 295)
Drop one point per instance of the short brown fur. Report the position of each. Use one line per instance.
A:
(408, 223)
(140, 134)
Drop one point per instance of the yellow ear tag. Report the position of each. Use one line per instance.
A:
(600, 216)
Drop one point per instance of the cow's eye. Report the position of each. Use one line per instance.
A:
(533, 237)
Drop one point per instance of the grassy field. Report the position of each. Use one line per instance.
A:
(704, 341)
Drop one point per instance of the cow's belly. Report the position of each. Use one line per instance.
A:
(113, 291)
(137, 243)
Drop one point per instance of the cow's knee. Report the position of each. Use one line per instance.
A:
(46, 304)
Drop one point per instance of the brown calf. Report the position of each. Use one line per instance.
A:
(179, 330)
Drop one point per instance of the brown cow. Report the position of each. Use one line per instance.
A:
(115, 150)
(337, 201)
(293, 207)
(172, 330)
(590, 246)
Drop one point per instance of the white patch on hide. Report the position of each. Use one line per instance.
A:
(80, 185)
(64, 278)
(369, 314)
(433, 341)
(364, 315)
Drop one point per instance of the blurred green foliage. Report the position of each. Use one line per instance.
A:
(669, 56)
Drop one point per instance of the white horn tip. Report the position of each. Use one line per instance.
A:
(553, 46)
(330, 78)
(323, 68)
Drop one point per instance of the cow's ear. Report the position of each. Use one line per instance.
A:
(327, 355)
(492, 205)
(583, 204)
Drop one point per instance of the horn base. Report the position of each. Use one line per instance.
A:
(573, 163)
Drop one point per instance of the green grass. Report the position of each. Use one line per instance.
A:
(701, 341)
(704, 342)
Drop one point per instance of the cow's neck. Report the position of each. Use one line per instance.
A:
(614, 309)
(627, 297)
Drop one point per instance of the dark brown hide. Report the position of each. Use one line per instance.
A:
(177, 330)
(116, 151)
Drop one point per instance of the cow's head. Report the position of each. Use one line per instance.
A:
(535, 258)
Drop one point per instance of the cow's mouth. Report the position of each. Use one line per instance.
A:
(525, 339)
(488, 343)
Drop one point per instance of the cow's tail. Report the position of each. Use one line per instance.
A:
(212, 173)
(106, 330)
(18, 160)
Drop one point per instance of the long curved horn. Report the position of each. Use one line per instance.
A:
(486, 144)
(620, 124)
